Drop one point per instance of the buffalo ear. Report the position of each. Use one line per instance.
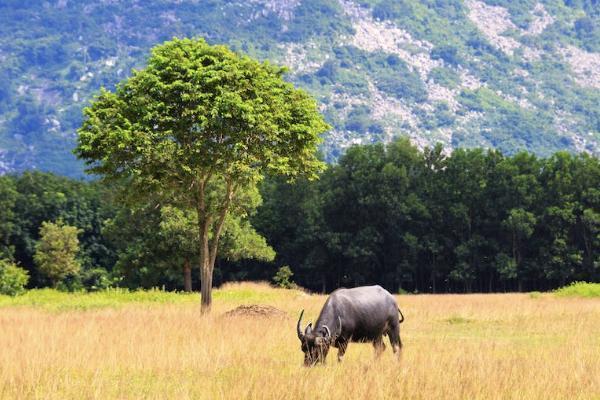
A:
(308, 329)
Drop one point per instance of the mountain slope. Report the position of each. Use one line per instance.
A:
(503, 74)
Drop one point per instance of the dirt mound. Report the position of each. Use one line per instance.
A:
(255, 310)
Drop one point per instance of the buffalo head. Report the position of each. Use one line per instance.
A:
(315, 344)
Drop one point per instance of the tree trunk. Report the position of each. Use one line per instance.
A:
(433, 274)
(187, 276)
(204, 264)
(206, 271)
(205, 289)
(208, 249)
(205, 274)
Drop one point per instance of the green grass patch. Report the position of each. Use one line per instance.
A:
(579, 289)
(55, 300)
(52, 299)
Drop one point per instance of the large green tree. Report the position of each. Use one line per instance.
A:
(198, 125)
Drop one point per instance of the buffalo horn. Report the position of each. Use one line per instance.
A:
(299, 331)
(327, 332)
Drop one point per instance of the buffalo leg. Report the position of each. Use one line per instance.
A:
(342, 346)
(394, 335)
(379, 346)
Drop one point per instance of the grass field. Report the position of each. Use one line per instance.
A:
(120, 345)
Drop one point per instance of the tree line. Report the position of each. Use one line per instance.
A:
(75, 234)
(423, 221)
(418, 221)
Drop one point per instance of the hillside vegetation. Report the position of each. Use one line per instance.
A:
(496, 73)
(455, 347)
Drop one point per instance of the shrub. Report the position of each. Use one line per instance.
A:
(12, 278)
(579, 289)
(283, 278)
(96, 279)
(56, 251)
(447, 53)
(445, 77)
(404, 86)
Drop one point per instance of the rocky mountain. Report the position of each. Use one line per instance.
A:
(493, 73)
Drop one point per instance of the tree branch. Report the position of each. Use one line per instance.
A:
(230, 191)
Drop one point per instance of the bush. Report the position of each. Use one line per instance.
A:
(96, 279)
(447, 53)
(404, 86)
(283, 278)
(445, 77)
(12, 278)
(390, 10)
(579, 289)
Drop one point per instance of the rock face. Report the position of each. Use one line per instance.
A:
(585, 65)
(493, 22)
(508, 75)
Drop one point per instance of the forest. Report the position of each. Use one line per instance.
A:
(411, 220)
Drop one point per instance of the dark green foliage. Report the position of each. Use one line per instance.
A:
(8, 198)
(97, 279)
(422, 221)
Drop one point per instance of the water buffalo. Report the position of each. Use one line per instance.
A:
(362, 314)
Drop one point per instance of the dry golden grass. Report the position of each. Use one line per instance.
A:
(456, 347)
